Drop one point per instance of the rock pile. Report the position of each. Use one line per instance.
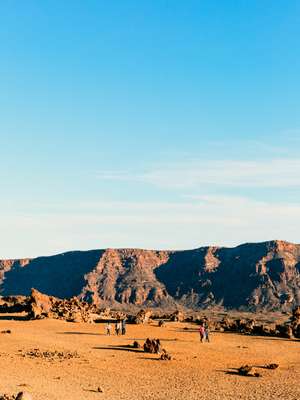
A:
(238, 325)
(73, 310)
(152, 346)
(39, 306)
(272, 366)
(251, 327)
(165, 356)
(246, 370)
(50, 355)
(19, 396)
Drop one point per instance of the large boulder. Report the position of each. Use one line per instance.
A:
(40, 305)
(142, 317)
(177, 316)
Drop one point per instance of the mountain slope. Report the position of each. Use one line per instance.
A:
(250, 276)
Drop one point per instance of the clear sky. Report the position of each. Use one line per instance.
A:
(157, 124)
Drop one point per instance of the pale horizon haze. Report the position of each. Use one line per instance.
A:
(159, 125)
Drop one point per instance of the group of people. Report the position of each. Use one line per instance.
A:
(204, 332)
(120, 327)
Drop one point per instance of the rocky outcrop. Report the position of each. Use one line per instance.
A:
(127, 277)
(142, 317)
(262, 276)
(295, 322)
(14, 304)
(73, 310)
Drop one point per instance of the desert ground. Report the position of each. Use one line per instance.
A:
(197, 371)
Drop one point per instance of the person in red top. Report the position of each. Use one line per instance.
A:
(202, 333)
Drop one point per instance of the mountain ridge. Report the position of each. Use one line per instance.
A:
(250, 276)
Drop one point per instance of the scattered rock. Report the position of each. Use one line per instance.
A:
(19, 396)
(245, 370)
(165, 356)
(272, 366)
(50, 355)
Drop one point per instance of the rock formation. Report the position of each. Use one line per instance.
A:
(263, 276)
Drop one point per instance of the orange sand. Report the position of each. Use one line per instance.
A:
(198, 371)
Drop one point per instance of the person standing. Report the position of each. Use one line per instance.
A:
(117, 328)
(202, 333)
(124, 326)
(206, 327)
(108, 328)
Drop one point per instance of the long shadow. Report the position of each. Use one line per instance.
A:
(234, 371)
(81, 333)
(161, 339)
(191, 330)
(277, 339)
(149, 358)
(263, 367)
(120, 348)
(14, 318)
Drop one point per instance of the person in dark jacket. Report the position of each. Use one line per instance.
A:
(124, 326)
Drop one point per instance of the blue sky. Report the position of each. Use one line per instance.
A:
(156, 124)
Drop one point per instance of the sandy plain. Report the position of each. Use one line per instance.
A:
(197, 371)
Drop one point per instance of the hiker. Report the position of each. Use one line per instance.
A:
(108, 328)
(206, 333)
(124, 326)
(202, 333)
(118, 327)
(117, 331)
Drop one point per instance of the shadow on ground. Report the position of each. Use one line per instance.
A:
(14, 318)
(81, 333)
(120, 348)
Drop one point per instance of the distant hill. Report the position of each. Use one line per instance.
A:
(252, 276)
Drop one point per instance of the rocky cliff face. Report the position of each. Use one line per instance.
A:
(249, 276)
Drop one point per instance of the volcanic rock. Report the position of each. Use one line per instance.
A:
(245, 370)
(24, 396)
(142, 317)
(253, 276)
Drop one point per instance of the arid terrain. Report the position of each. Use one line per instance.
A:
(253, 277)
(94, 360)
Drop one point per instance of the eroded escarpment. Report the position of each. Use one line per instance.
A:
(252, 276)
